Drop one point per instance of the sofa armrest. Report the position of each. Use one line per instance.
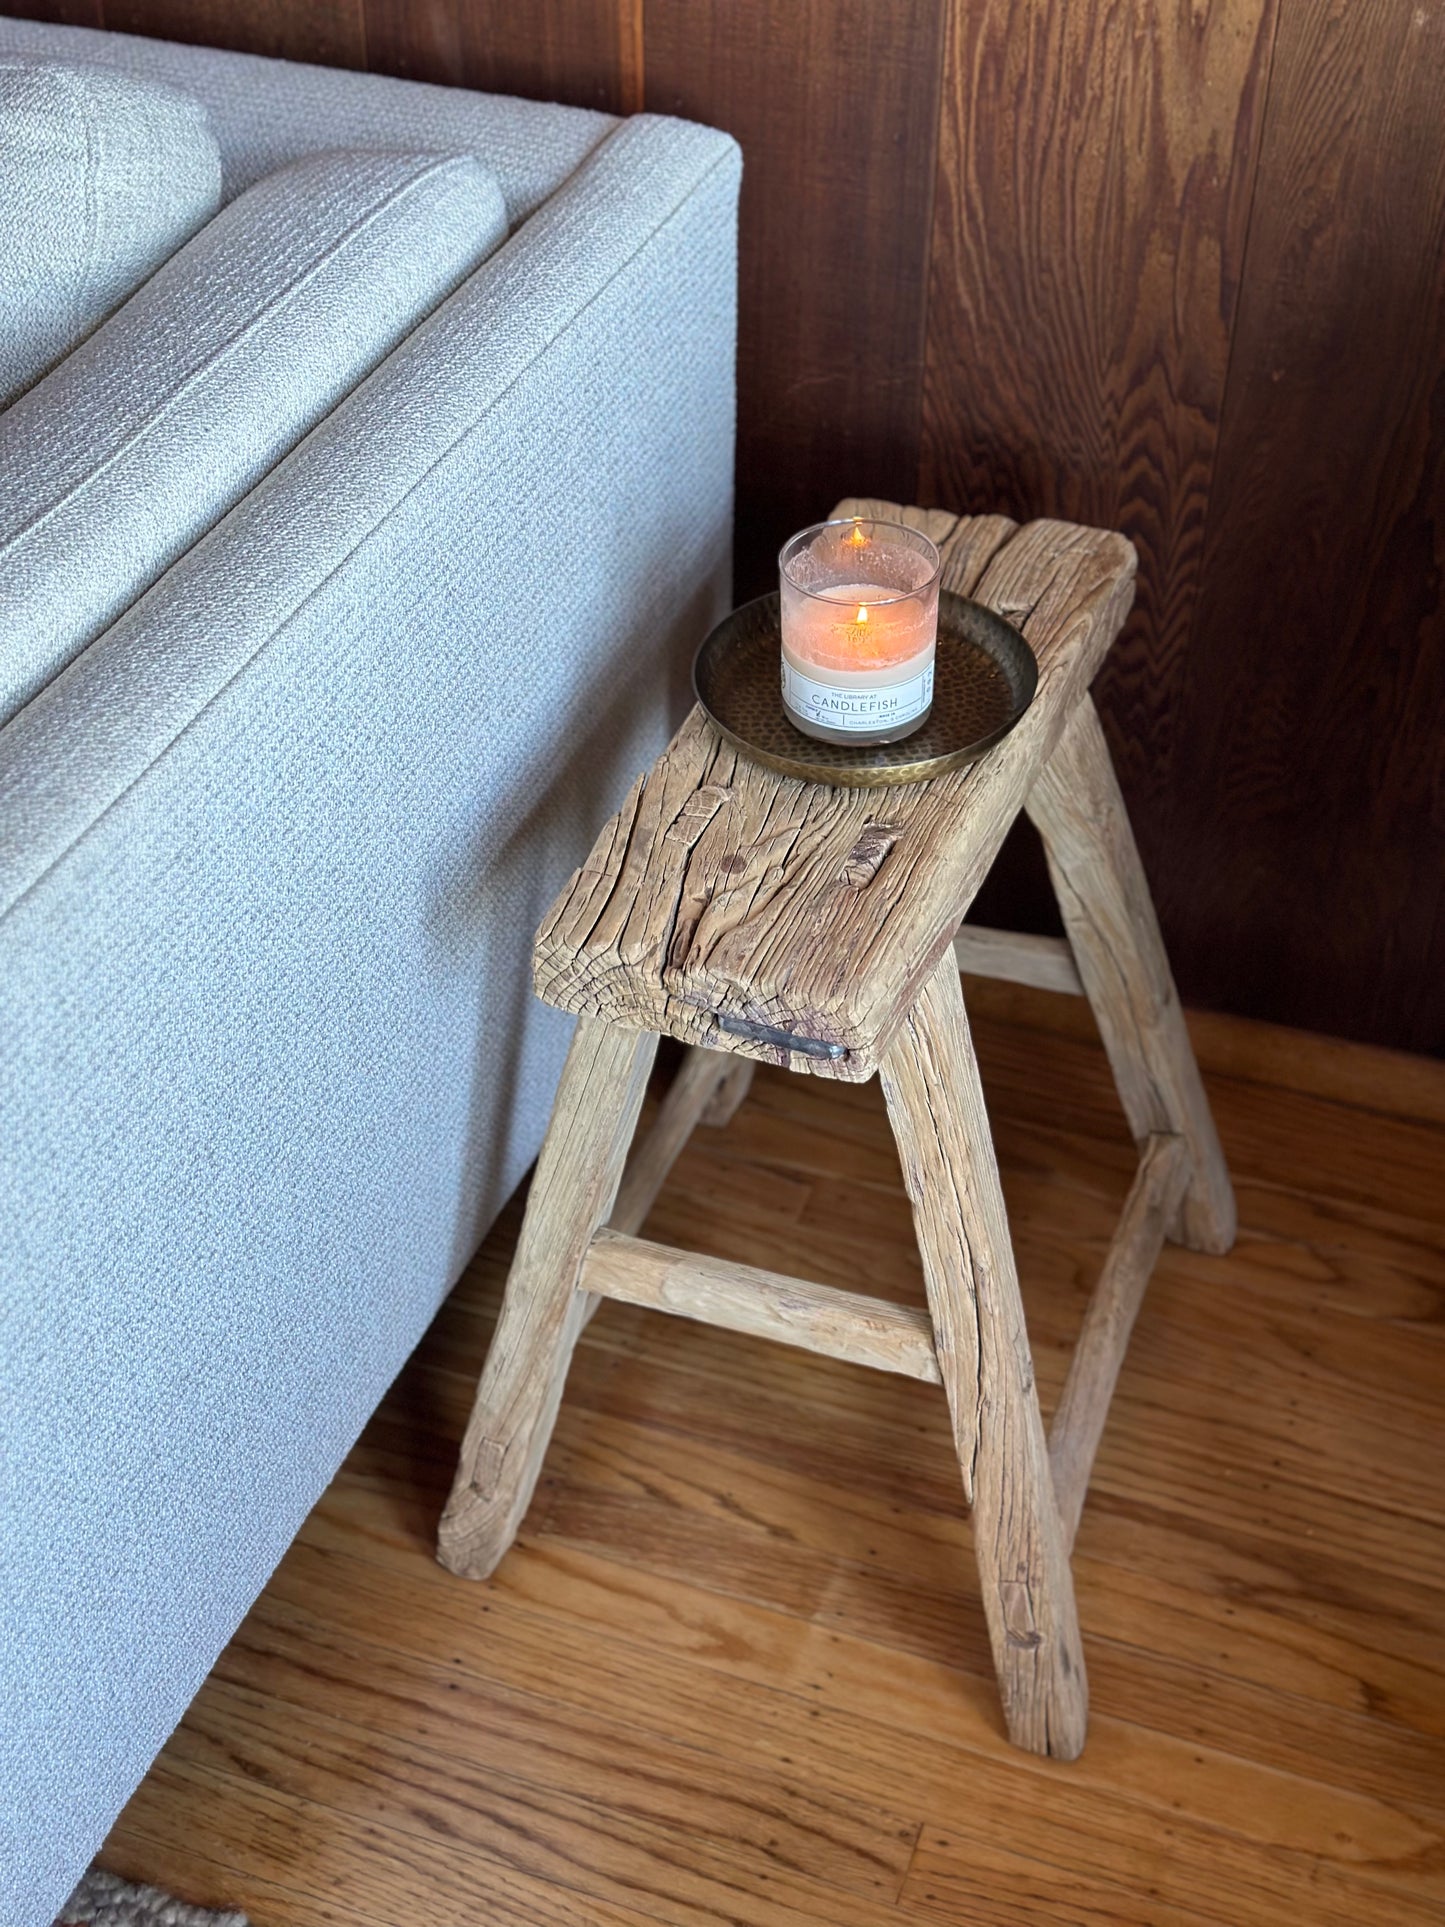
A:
(436, 431)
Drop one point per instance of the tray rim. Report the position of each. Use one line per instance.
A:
(877, 775)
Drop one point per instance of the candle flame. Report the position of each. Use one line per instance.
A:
(862, 615)
(856, 537)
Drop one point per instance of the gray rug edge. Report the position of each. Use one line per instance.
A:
(104, 1900)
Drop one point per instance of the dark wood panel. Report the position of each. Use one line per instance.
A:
(583, 52)
(61, 13)
(1309, 823)
(836, 109)
(328, 32)
(1095, 171)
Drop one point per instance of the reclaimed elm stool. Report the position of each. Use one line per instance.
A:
(756, 917)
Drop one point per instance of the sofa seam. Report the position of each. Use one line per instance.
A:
(83, 95)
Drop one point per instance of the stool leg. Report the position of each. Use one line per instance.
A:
(1114, 934)
(935, 1104)
(730, 1095)
(693, 1091)
(543, 1312)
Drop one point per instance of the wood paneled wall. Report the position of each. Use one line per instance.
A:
(1173, 265)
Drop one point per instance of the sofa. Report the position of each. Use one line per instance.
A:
(274, 841)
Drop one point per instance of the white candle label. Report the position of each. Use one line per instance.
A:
(835, 708)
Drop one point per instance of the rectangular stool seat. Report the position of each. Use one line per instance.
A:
(723, 894)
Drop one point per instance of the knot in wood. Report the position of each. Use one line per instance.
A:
(868, 855)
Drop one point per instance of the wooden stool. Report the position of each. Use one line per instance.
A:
(762, 918)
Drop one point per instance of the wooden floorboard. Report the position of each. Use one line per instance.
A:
(736, 1670)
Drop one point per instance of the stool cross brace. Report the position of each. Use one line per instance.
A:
(758, 918)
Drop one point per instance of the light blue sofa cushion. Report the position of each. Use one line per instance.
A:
(143, 437)
(268, 112)
(275, 848)
(102, 176)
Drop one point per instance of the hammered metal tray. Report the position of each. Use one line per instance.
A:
(984, 679)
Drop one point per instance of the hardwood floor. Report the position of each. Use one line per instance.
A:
(736, 1670)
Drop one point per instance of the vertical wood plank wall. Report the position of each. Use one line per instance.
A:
(1175, 268)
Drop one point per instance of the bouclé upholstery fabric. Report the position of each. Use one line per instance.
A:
(140, 440)
(103, 175)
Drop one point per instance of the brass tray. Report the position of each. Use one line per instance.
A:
(984, 679)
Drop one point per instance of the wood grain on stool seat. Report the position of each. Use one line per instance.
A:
(723, 892)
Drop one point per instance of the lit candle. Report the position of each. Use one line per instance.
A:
(860, 622)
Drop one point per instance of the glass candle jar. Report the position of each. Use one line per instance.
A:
(860, 624)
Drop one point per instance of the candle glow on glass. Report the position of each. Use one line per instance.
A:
(859, 619)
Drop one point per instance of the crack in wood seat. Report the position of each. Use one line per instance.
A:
(755, 916)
